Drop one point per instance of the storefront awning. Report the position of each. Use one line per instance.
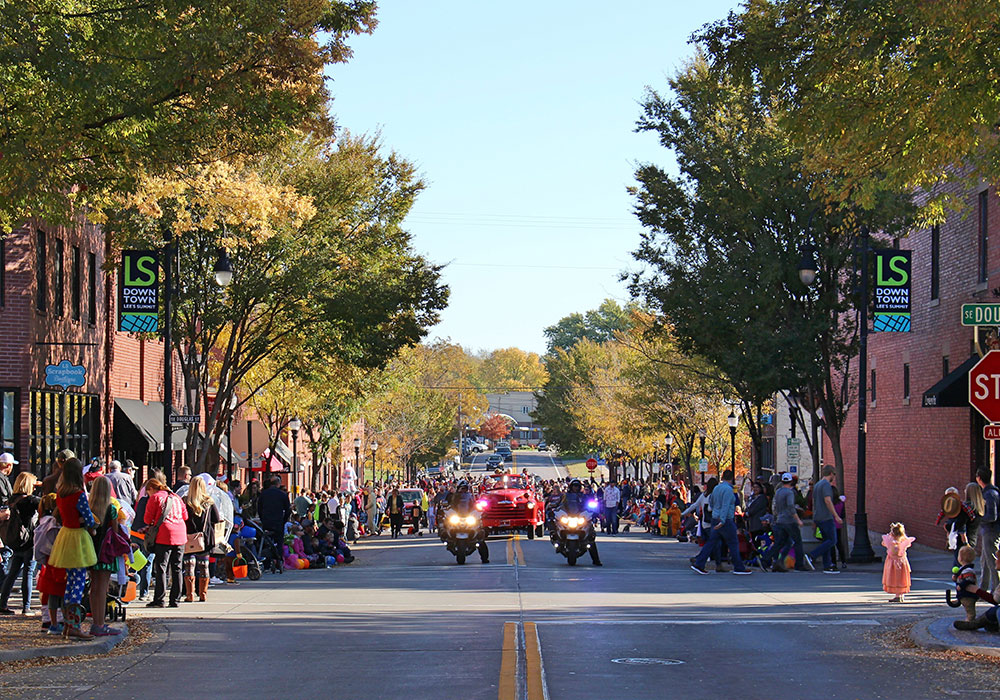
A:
(953, 390)
(284, 452)
(148, 421)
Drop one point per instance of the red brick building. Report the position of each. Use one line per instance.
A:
(922, 435)
(57, 306)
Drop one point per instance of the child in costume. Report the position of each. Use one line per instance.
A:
(73, 549)
(896, 572)
(51, 581)
(966, 588)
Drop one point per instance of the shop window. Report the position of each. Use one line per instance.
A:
(872, 386)
(906, 381)
(10, 421)
(984, 238)
(41, 278)
(60, 420)
(945, 366)
(76, 282)
(58, 271)
(92, 289)
(935, 261)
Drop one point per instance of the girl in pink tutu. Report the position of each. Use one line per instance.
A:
(896, 573)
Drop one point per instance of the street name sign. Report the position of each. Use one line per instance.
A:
(984, 386)
(702, 465)
(981, 314)
(181, 420)
(991, 432)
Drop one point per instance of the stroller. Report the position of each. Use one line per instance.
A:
(118, 598)
(258, 549)
(752, 548)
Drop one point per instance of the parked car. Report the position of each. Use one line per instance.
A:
(542, 446)
(474, 447)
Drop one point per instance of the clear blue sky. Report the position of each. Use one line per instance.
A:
(520, 116)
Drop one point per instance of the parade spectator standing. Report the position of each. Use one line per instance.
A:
(183, 478)
(612, 497)
(974, 505)
(19, 537)
(395, 506)
(989, 530)
(7, 463)
(723, 503)
(49, 483)
(168, 510)
(273, 509)
(826, 519)
(123, 484)
(302, 504)
(786, 526)
(202, 515)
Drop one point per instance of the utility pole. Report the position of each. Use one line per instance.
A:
(168, 377)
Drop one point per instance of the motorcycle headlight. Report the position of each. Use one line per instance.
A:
(470, 520)
(564, 520)
(454, 520)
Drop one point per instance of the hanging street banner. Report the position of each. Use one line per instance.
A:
(139, 292)
(891, 312)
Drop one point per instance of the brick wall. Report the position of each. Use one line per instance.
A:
(915, 453)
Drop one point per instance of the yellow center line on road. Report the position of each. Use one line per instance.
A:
(510, 551)
(533, 663)
(520, 552)
(508, 663)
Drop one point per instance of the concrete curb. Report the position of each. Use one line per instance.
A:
(98, 645)
(937, 634)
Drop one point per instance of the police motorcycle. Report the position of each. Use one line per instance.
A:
(574, 533)
(462, 527)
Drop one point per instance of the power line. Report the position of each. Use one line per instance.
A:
(535, 267)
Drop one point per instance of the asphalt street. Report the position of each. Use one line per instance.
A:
(404, 621)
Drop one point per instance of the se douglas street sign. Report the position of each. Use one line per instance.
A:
(984, 386)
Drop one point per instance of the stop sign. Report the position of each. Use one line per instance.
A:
(591, 464)
(984, 386)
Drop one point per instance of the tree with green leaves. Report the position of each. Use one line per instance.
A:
(95, 94)
(341, 285)
(724, 238)
(880, 96)
(598, 325)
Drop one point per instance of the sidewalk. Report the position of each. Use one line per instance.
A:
(21, 638)
(937, 634)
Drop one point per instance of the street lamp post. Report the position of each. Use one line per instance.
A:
(862, 551)
(733, 421)
(229, 439)
(656, 458)
(669, 442)
(374, 447)
(294, 424)
(223, 277)
(701, 438)
(357, 460)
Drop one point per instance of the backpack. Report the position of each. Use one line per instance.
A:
(14, 532)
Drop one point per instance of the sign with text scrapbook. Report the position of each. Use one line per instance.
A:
(139, 292)
(891, 311)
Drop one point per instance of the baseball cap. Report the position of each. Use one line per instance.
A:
(129, 464)
(787, 476)
(7, 458)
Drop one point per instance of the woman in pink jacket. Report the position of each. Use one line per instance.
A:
(165, 506)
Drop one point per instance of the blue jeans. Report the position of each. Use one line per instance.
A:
(612, 512)
(825, 548)
(144, 572)
(786, 534)
(727, 534)
(20, 563)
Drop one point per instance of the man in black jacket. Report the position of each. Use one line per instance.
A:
(273, 509)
